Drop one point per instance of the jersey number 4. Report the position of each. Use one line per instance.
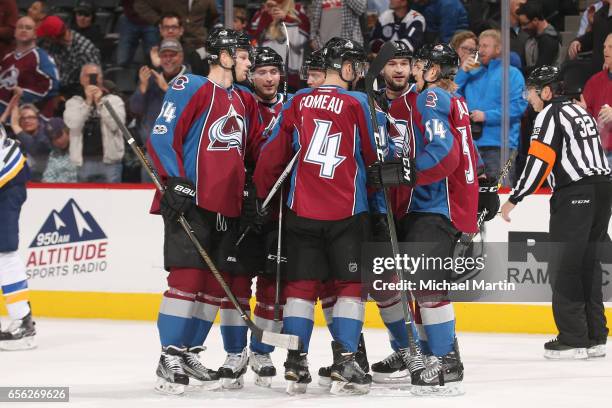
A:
(323, 149)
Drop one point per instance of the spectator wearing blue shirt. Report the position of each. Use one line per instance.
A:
(443, 18)
(480, 83)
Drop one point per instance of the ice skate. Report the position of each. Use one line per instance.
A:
(296, 373)
(596, 350)
(19, 335)
(171, 378)
(555, 350)
(263, 367)
(347, 376)
(391, 370)
(199, 376)
(231, 373)
(442, 376)
(361, 357)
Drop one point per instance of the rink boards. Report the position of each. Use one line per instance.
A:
(94, 251)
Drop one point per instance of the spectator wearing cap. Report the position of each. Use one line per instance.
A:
(132, 30)
(70, 50)
(96, 143)
(59, 167)
(266, 31)
(196, 15)
(146, 102)
(29, 129)
(8, 19)
(31, 69)
(83, 23)
(171, 28)
(443, 18)
(597, 96)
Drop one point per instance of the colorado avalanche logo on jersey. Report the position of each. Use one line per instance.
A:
(226, 132)
(8, 78)
(268, 130)
(431, 100)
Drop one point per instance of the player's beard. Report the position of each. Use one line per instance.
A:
(394, 86)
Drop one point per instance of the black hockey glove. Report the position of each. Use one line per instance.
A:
(391, 173)
(488, 198)
(380, 97)
(380, 227)
(262, 216)
(178, 198)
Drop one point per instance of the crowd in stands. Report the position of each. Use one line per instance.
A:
(60, 59)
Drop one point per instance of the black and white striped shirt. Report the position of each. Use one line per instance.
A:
(565, 147)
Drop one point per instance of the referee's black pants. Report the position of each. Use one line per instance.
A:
(580, 213)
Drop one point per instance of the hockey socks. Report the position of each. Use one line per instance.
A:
(14, 285)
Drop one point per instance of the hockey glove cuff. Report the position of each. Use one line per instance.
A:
(391, 173)
(178, 198)
(488, 198)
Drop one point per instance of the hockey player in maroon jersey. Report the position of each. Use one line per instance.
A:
(257, 252)
(313, 70)
(205, 124)
(327, 220)
(442, 205)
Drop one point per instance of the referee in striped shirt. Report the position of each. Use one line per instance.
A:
(566, 149)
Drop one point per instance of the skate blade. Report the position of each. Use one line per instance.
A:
(572, 354)
(232, 383)
(168, 388)
(325, 382)
(398, 377)
(199, 385)
(265, 382)
(596, 351)
(449, 390)
(347, 388)
(26, 343)
(293, 387)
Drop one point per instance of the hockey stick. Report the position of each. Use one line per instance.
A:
(272, 192)
(466, 239)
(287, 53)
(386, 53)
(286, 341)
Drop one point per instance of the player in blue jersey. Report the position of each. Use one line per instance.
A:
(13, 176)
(205, 124)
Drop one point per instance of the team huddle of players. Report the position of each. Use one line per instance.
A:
(220, 149)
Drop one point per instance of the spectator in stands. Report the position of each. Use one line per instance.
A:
(597, 97)
(132, 29)
(593, 40)
(39, 10)
(240, 19)
(83, 23)
(266, 31)
(480, 84)
(466, 45)
(29, 129)
(146, 102)
(586, 21)
(70, 50)
(31, 69)
(443, 18)
(197, 16)
(518, 36)
(8, 19)
(336, 18)
(59, 167)
(544, 44)
(96, 143)
(171, 28)
(399, 23)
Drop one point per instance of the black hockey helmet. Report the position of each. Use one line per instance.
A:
(266, 56)
(338, 50)
(402, 50)
(441, 54)
(220, 39)
(542, 76)
(314, 61)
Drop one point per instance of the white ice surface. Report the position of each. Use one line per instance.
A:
(112, 364)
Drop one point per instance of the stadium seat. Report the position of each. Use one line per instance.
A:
(61, 4)
(107, 4)
(105, 20)
(126, 79)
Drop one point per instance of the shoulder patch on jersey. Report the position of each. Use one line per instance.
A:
(180, 82)
(431, 100)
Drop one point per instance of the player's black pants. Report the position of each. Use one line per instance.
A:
(580, 213)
